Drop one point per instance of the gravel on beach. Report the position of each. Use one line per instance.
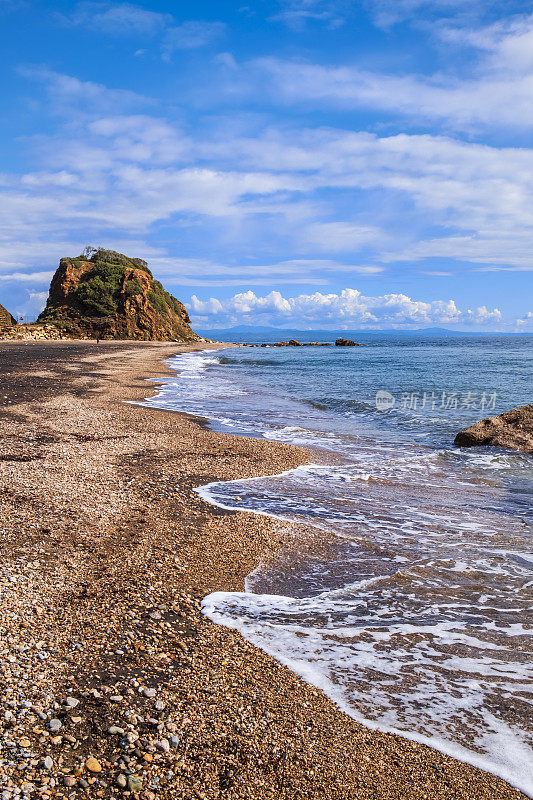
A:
(112, 681)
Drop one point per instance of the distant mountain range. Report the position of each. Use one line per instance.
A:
(271, 333)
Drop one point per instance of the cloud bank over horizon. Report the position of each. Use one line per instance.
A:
(207, 144)
(347, 309)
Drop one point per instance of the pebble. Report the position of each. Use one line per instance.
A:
(226, 699)
(93, 765)
(134, 783)
(48, 763)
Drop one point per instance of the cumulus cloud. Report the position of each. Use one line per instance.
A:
(525, 321)
(344, 309)
(31, 306)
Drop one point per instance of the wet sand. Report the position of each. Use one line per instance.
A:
(112, 680)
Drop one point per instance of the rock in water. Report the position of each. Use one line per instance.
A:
(109, 295)
(347, 343)
(512, 430)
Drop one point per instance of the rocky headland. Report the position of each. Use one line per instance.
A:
(107, 295)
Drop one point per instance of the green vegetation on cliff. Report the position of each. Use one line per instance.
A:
(102, 287)
(105, 293)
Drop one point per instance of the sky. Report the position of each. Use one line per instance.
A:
(296, 163)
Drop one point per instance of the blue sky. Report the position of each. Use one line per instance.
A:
(299, 163)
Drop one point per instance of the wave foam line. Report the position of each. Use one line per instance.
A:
(308, 673)
(507, 741)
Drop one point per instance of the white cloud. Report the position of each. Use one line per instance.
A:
(140, 138)
(28, 277)
(389, 12)
(117, 19)
(347, 308)
(495, 99)
(192, 34)
(126, 19)
(297, 14)
(297, 20)
(525, 321)
(497, 252)
(334, 201)
(480, 196)
(202, 272)
(508, 42)
(340, 236)
(32, 306)
(67, 94)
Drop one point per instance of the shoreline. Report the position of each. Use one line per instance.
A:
(305, 670)
(108, 551)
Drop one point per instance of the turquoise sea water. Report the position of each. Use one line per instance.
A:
(415, 616)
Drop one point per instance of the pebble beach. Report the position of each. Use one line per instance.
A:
(113, 682)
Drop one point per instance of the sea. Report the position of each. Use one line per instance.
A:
(412, 607)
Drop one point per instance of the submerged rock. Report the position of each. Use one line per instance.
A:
(512, 430)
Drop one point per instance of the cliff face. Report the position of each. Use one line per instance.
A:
(109, 295)
(7, 320)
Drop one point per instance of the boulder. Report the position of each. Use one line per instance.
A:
(294, 343)
(512, 430)
(347, 343)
